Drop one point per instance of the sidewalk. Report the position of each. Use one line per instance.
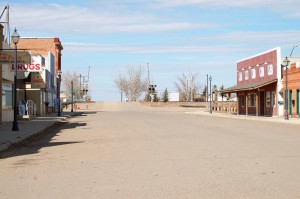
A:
(28, 128)
(295, 121)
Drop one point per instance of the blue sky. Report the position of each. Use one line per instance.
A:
(173, 36)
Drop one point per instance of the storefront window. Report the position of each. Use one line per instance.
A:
(273, 99)
(268, 99)
(252, 100)
(7, 96)
(246, 75)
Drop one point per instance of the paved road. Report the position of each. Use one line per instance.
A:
(129, 151)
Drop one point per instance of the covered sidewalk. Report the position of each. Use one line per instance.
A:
(257, 98)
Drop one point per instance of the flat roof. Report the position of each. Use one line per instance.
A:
(277, 48)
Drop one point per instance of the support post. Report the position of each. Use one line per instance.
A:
(256, 102)
(246, 103)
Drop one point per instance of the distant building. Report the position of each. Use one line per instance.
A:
(174, 97)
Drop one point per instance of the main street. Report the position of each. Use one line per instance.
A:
(125, 150)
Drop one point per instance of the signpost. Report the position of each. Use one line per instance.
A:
(23, 57)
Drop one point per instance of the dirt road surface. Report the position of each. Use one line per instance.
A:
(125, 150)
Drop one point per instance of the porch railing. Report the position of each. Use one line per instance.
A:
(31, 108)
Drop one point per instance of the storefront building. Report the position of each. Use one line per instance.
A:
(293, 88)
(40, 85)
(6, 85)
(258, 85)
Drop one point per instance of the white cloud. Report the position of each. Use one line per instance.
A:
(76, 19)
(88, 47)
(235, 42)
(289, 8)
(250, 38)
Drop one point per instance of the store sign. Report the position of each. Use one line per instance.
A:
(37, 63)
(7, 57)
(37, 81)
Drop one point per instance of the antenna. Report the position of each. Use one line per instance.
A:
(87, 82)
(148, 74)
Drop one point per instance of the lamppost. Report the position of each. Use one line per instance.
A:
(286, 63)
(293, 49)
(72, 92)
(15, 39)
(210, 111)
(58, 92)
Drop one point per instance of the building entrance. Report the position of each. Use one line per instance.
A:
(262, 103)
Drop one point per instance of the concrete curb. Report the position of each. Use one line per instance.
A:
(21, 137)
(294, 121)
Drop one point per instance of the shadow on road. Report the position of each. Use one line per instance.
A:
(33, 144)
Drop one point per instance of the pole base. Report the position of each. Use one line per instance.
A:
(15, 126)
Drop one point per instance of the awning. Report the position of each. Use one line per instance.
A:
(246, 87)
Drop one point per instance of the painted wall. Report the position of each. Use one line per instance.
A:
(258, 68)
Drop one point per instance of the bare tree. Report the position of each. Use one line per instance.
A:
(132, 83)
(66, 80)
(187, 86)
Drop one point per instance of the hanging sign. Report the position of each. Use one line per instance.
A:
(37, 81)
(7, 57)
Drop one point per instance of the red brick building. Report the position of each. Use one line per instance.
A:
(41, 86)
(293, 88)
(41, 46)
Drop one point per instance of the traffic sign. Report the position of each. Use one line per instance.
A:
(7, 57)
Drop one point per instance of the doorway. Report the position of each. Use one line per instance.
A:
(298, 101)
(262, 103)
(291, 102)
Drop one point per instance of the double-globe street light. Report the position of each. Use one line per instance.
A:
(286, 63)
(15, 39)
(210, 110)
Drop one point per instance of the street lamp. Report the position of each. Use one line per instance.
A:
(210, 111)
(58, 92)
(293, 49)
(72, 92)
(286, 63)
(15, 39)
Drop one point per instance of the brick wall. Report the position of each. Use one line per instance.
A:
(42, 46)
(293, 85)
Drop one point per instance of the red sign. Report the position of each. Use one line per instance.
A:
(36, 65)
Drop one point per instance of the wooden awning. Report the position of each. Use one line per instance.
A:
(246, 87)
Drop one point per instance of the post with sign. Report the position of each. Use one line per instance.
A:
(72, 96)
